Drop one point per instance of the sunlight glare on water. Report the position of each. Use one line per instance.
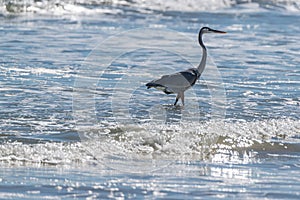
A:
(110, 137)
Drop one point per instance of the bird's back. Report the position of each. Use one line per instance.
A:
(175, 83)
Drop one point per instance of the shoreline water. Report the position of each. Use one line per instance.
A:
(165, 151)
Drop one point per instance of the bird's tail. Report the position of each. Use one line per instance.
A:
(151, 84)
(159, 87)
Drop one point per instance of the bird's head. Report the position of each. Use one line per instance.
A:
(206, 30)
(209, 30)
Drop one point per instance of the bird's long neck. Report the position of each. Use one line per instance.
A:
(204, 54)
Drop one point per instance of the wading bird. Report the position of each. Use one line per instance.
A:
(179, 82)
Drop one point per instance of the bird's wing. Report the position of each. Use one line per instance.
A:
(177, 82)
(191, 75)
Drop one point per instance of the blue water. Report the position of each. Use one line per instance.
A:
(78, 122)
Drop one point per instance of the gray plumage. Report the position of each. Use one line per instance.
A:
(179, 82)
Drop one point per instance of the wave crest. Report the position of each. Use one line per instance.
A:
(215, 141)
(119, 6)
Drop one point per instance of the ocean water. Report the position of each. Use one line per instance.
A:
(77, 120)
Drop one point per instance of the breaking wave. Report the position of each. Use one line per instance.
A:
(228, 142)
(87, 7)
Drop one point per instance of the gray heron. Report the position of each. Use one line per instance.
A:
(179, 82)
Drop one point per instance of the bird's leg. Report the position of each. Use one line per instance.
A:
(177, 98)
(182, 98)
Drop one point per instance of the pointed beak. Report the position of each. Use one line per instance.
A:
(217, 31)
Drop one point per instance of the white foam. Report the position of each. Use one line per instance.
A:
(209, 140)
(88, 7)
(44, 153)
(188, 5)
